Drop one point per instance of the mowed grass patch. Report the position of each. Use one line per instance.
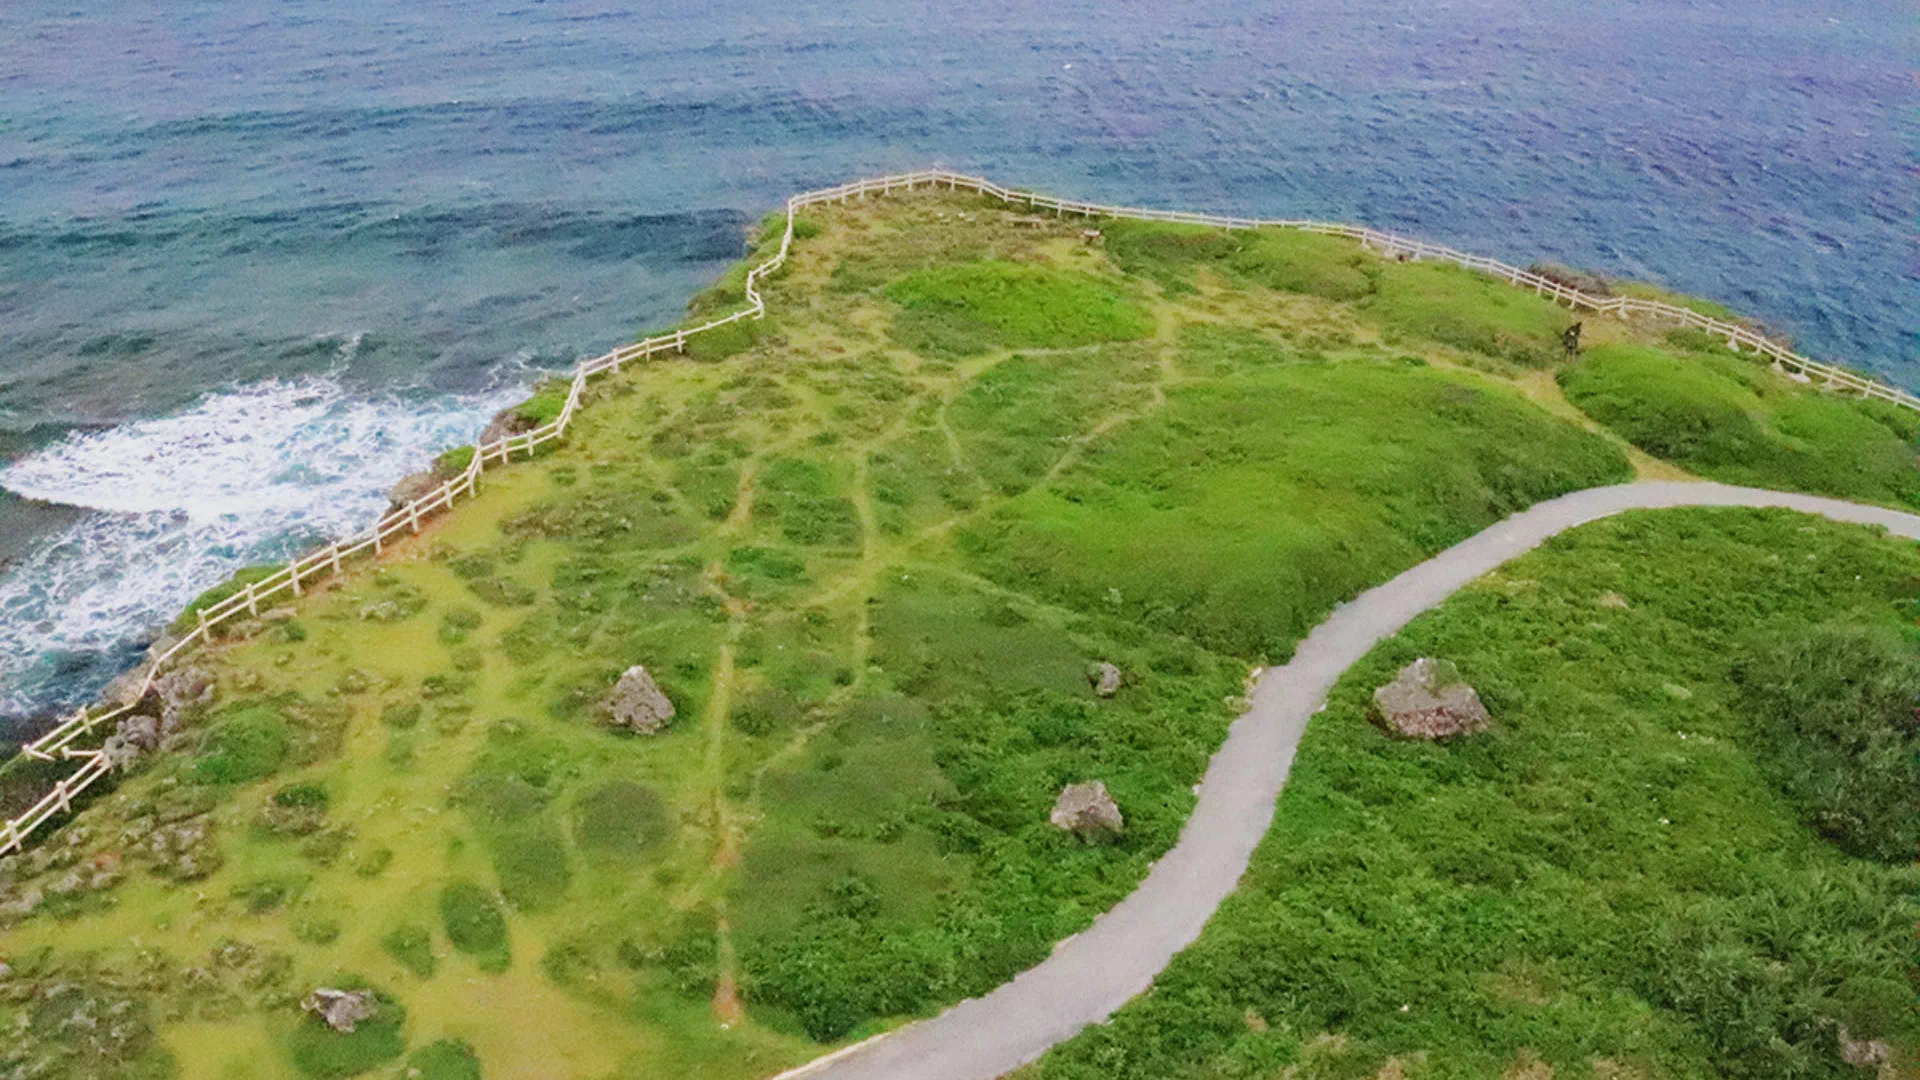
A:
(972, 307)
(1606, 883)
(1734, 420)
(1242, 512)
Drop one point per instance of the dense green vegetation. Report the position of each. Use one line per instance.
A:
(971, 307)
(871, 549)
(1606, 883)
(1839, 723)
(1732, 419)
(1247, 507)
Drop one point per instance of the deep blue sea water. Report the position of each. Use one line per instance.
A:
(258, 259)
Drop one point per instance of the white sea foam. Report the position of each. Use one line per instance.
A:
(248, 475)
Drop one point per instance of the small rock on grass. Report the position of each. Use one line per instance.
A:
(1087, 811)
(341, 1009)
(636, 703)
(1429, 700)
(1107, 680)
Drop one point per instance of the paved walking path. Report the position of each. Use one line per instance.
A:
(1091, 975)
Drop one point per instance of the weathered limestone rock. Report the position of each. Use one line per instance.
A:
(1863, 1053)
(1088, 812)
(412, 486)
(506, 422)
(132, 737)
(636, 704)
(1107, 680)
(341, 1009)
(182, 689)
(1428, 700)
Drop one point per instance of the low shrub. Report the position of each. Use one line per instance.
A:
(412, 946)
(244, 744)
(475, 925)
(448, 1059)
(621, 817)
(1837, 711)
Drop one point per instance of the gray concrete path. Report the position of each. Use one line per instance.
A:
(1092, 974)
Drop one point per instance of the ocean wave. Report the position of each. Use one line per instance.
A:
(249, 475)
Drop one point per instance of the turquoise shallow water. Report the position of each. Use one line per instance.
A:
(257, 260)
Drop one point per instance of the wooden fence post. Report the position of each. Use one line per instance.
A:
(293, 569)
(253, 602)
(335, 551)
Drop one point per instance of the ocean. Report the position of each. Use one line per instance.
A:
(259, 260)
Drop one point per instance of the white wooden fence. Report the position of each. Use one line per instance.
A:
(60, 743)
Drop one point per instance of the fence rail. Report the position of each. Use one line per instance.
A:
(59, 743)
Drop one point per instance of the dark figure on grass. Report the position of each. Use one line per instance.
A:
(1571, 340)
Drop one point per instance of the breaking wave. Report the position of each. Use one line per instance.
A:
(248, 475)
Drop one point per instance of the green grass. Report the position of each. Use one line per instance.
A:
(1241, 513)
(412, 946)
(1839, 733)
(475, 925)
(621, 818)
(1606, 877)
(243, 577)
(448, 1059)
(981, 305)
(244, 744)
(549, 400)
(1468, 310)
(1733, 420)
(1164, 252)
(1307, 263)
(1286, 260)
(454, 462)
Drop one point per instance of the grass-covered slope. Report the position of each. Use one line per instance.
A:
(1733, 419)
(871, 548)
(1612, 882)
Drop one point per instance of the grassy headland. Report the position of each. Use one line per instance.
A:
(871, 548)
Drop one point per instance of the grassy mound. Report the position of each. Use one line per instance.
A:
(972, 307)
(1241, 513)
(1733, 420)
(1458, 307)
(1604, 884)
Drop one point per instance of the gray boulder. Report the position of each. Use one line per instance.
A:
(1107, 680)
(1088, 812)
(637, 704)
(343, 1010)
(1429, 700)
